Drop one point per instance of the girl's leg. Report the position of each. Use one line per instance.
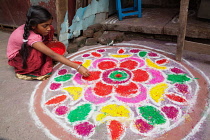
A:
(39, 66)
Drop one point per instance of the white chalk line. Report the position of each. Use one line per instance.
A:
(130, 44)
(199, 124)
(40, 125)
(206, 113)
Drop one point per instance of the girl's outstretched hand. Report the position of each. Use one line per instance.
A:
(83, 71)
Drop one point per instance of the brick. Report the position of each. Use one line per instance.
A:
(95, 27)
(80, 41)
(73, 47)
(91, 41)
(98, 34)
(109, 36)
(88, 33)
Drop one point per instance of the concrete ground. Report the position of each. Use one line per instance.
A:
(16, 122)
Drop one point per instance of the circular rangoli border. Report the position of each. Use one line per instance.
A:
(55, 131)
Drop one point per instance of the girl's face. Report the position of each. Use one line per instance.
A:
(43, 28)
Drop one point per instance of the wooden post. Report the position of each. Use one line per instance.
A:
(79, 3)
(61, 8)
(82, 3)
(184, 4)
(71, 10)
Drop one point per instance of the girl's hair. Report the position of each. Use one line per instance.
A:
(35, 16)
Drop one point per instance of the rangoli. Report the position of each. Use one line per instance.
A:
(132, 93)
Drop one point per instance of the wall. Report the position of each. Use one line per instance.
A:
(95, 12)
(50, 5)
(13, 12)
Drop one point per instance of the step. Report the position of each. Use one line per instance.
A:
(159, 21)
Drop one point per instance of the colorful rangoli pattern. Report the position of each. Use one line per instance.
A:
(130, 90)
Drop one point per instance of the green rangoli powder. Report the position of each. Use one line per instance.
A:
(80, 113)
(118, 75)
(178, 78)
(151, 114)
(142, 54)
(63, 78)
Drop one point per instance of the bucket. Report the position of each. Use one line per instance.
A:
(57, 47)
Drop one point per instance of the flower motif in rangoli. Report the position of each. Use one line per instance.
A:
(134, 89)
(121, 80)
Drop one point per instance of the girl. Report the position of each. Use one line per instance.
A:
(27, 51)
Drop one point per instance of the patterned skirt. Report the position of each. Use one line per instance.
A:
(39, 66)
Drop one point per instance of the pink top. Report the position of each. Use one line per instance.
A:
(16, 40)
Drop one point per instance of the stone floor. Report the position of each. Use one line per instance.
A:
(160, 21)
(156, 23)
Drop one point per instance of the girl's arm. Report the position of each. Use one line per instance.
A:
(40, 46)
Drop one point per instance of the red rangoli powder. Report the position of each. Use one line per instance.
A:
(78, 62)
(56, 100)
(162, 61)
(126, 90)
(120, 51)
(176, 98)
(96, 54)
(129, 64)
(106, 65)
(140, 75)
(102, 89)
(118, 75)
(116, 129)
(94, 75)
(58, 50)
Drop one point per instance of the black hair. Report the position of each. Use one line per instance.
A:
(34, 16)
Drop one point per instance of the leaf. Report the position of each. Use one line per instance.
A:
(176, 98)
(152, 114)
(63, 78)
(56, 100)
(178, 78)
(80, 113)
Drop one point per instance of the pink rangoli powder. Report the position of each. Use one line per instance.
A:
(84, 129)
